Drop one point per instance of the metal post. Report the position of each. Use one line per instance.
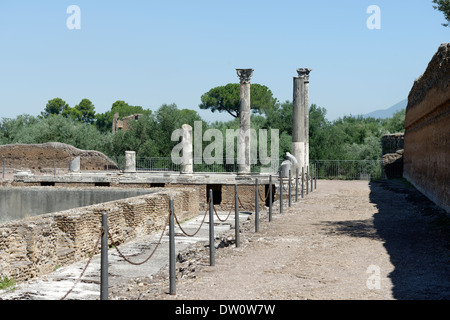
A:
(303, 182)
(256, 207)
(307, 179)
(236, 215)
(338, 169)
(172, 267)
(281, 193)
(107, 164)
(104, 259)
(312, 183)
(211, 230)
(296, 184)
(289, 199)
(315, 176)
(270, 198)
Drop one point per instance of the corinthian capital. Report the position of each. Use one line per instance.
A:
(244, 75)
(304, 73)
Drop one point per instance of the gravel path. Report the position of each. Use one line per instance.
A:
(354, 240)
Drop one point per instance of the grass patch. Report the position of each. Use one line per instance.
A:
(6, 283)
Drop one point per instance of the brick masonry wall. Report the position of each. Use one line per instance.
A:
(36, 246)
(246, 195)
(427, 131)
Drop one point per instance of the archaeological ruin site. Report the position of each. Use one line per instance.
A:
(54, 196)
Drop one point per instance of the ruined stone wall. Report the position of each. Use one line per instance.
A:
(427, 131)
(39, 157)
(36, 246)
(123, 124)
(391, 143)
(392, 146)
(246, 196)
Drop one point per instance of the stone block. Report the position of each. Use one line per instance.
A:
(130, 161)
(75, 165)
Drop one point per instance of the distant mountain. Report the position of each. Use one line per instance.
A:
(387, 113)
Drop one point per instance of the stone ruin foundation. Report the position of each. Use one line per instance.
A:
(35, 246)
(392, 155)
(427, 130)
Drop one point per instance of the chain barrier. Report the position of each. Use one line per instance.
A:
(267, 195)
(151, 254)
(184, 232)
(229, 212)
(113, 243)
(118, 251)
(85, 268)
(162, 234)
(217, 215)
(239, 199)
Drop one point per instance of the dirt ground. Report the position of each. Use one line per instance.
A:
(353, 240)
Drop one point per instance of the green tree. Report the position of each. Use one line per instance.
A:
(317, 132)
(396, 123)
(124, 109)
(72, 113)
(285, 144)
(54, 106)
(143, 137)
(280, 117)
(444, 6)
(369, 150)
(169, 118)
(150, 136)
(227, 98)
(84, 112)
(15, 130)
(58, 128)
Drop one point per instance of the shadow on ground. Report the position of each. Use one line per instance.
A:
(416, 235)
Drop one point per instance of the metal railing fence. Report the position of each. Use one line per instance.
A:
(207, 165)
(326, 169)
(348, 169)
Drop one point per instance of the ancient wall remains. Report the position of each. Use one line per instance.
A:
(36, 246)
(427, 130)
(123, 124)
(392, 146)
(19, 203)
(42, 158)
(223, 195)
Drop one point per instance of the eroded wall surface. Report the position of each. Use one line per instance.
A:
(36, 246)
(427, 131)
(43, 157)
(392, 155)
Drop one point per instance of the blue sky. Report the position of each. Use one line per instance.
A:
(153, 52)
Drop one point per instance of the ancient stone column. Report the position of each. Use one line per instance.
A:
(130, 161)
(187, 164)
(244, 118)
(300, 118)
(74, 165)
